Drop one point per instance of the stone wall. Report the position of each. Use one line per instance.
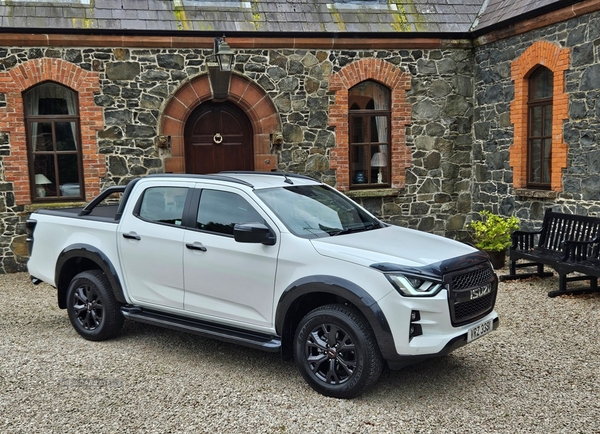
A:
(493, 132)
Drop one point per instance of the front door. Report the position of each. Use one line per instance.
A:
(226, 280)
(218, 136)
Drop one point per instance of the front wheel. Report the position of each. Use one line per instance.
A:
(93, 310)
(336, 352)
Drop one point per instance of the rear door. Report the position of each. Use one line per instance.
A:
(151, 245)
(225, 280)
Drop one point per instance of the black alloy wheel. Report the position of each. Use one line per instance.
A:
(336, 352)
(93, 310)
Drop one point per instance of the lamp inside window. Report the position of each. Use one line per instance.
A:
(379, 161)
(40, 184)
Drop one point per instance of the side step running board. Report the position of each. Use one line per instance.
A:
(228, 334)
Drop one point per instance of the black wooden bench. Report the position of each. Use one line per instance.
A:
(568, 243)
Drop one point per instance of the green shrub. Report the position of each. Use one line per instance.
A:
(493, 232)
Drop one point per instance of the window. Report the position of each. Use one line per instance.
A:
(163, 204)
(54, 151)
(539, 81)
(369, 115)
(313, 211)
(220, 211)
(539, 136)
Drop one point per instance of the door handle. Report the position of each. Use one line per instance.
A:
(132, 236)
(196, 246)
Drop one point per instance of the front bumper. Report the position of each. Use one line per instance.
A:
(399, 361)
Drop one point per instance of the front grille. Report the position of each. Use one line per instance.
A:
(473, 308)
(463, 307)
(473, 279)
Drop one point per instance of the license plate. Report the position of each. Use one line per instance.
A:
(479, 330)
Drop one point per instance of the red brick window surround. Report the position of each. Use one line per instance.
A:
(398, 82)
(552, 57)
(13, 84)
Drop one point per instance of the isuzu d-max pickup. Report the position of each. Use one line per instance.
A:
(273, 261)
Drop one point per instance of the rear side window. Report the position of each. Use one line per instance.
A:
(220, 211)
(163, 204)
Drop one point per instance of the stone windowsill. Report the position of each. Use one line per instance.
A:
(379, 192)
(53, 205)
(535, 194)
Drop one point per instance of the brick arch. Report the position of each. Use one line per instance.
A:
(249, 96)
(12, 120)
(398, 82)
(556, 59)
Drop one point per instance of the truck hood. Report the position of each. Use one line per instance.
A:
(393, 246)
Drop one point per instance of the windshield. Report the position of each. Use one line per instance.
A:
(312, 211)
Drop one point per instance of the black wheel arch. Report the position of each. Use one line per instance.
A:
(311, 292)
(82, 257)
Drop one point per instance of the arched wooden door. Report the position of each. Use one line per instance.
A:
(218, 136)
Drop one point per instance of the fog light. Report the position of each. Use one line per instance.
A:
(414, 329)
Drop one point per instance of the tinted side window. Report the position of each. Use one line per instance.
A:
(163, 204)
(219, 211)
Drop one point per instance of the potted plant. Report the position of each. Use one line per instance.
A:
(492, 234)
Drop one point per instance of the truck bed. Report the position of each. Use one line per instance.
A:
(104, 213)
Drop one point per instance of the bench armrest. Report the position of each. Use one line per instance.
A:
(524, 240)
(582, 250)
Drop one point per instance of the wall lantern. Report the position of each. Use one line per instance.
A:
(219, 69)
(224, 54)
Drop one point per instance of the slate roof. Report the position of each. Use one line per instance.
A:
(496, 12)
(258, 16)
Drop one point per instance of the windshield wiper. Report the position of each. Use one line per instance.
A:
(350, 230)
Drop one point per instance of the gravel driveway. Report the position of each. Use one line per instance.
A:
(539, 372)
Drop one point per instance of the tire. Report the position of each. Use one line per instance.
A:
(345, 368)
(93, 310)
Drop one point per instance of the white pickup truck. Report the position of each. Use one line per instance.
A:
(273, 261)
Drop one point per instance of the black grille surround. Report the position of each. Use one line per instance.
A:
(464, 287)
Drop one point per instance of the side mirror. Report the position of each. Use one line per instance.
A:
(253, 233)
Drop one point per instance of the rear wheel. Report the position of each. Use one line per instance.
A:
(93, 310)
(336, 352)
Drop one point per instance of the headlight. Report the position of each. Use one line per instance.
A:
(414, 286)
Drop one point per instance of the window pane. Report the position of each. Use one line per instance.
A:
(547, 120)
(536, 121)
(50, 99)
(546, 161)
(378, 165)
(360, 129)
(163, 204)
(381, 129)
(67, 168)
(360, 168)
(220, 211)
(66, 136)
(369, 95)
(541, 83)
(44, 175)
(41, 136)
(536, 163)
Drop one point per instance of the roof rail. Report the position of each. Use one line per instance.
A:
(284, 174)
(215, 177)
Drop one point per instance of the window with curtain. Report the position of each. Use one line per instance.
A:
(539, 136)
(54, 151)
(369, 135)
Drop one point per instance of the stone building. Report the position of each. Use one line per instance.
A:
(424, 111)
